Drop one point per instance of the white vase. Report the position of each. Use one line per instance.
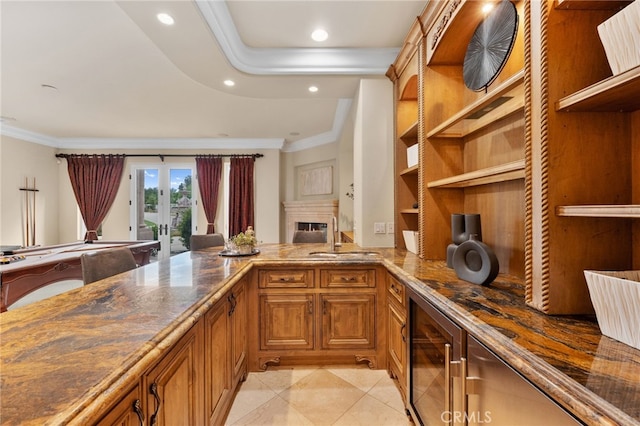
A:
(247, 249)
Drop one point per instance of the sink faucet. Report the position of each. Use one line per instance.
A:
(335, 242)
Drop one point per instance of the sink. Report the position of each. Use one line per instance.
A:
(335, 254)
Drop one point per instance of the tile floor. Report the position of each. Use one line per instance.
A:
(330, 395)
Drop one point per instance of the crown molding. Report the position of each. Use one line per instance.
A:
(340, 117)
(29, 136)
(142, 143)
(365, 61)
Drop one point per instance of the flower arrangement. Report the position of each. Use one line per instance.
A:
(245, 241)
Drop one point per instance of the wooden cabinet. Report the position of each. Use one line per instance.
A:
(225, 353)
(320, 314)
(286, 321)
(217, 361)
(194, 381)
(348, 321)
(173, 388)
(127, 412)
(397, 333)
(238, 328)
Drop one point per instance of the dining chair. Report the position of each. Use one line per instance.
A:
(104, 263)
(199, 242)
(309, 237)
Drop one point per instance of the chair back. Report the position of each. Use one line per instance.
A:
(199, 242)
(105, 263)
(309, 237)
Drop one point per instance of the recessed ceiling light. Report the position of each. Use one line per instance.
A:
(165, 18)
(319, 35)
(313, 89)
(294, 134)
(229, 83)
(223, 135)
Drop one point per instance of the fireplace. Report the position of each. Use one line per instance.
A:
(309, 215)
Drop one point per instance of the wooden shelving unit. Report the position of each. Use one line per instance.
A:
(585, 133)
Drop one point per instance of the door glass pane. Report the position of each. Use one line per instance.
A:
(180, 210)
(147, 204)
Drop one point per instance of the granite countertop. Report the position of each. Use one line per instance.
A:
(67, 358)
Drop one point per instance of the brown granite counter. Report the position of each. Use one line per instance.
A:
(66, 358)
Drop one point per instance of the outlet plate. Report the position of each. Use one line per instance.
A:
(390, 228)
(379, 228)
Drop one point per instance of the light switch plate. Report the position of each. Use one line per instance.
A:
(378, 228)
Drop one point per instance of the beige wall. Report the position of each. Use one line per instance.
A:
(373, 162)
(363, 155)
(20, 160)
(57, 208)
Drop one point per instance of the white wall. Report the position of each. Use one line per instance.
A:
(21, 160)
(373, 162)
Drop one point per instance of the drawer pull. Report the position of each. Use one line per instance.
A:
(349, 279)
(310, 307)
(138, 410)
(154, 391)
(404, 325)
(286, 279)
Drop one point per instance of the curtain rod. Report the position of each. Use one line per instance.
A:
(162, 156)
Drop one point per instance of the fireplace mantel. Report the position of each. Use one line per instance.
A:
(316, 211)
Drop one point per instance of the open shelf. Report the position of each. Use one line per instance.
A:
(603, 210)
(591, 4)
(617, 93)
(411, 133)
(410, 211)
(502, 173)
(410, 171)
(502, 101)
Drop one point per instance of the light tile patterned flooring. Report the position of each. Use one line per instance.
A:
(330, 395)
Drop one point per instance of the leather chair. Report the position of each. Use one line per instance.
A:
(105, 263)
(199, 242)
(309, 237)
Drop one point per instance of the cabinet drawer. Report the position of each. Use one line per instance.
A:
(332, 278)
(285, 278)
(395, 290)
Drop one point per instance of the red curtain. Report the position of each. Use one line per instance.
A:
(95, 180)
(209, 171)
(241, 194)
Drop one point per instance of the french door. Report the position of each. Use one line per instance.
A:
(163, 200)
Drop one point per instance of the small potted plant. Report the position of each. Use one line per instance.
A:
(245, 241)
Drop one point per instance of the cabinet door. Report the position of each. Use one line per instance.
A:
(238, 317)
(496, 394)
(397, 342)
(286, 321)
(217, 361)
(172, 385)
(348, 321)
(127, 412)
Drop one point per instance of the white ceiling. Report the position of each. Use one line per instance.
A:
(123, 80)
